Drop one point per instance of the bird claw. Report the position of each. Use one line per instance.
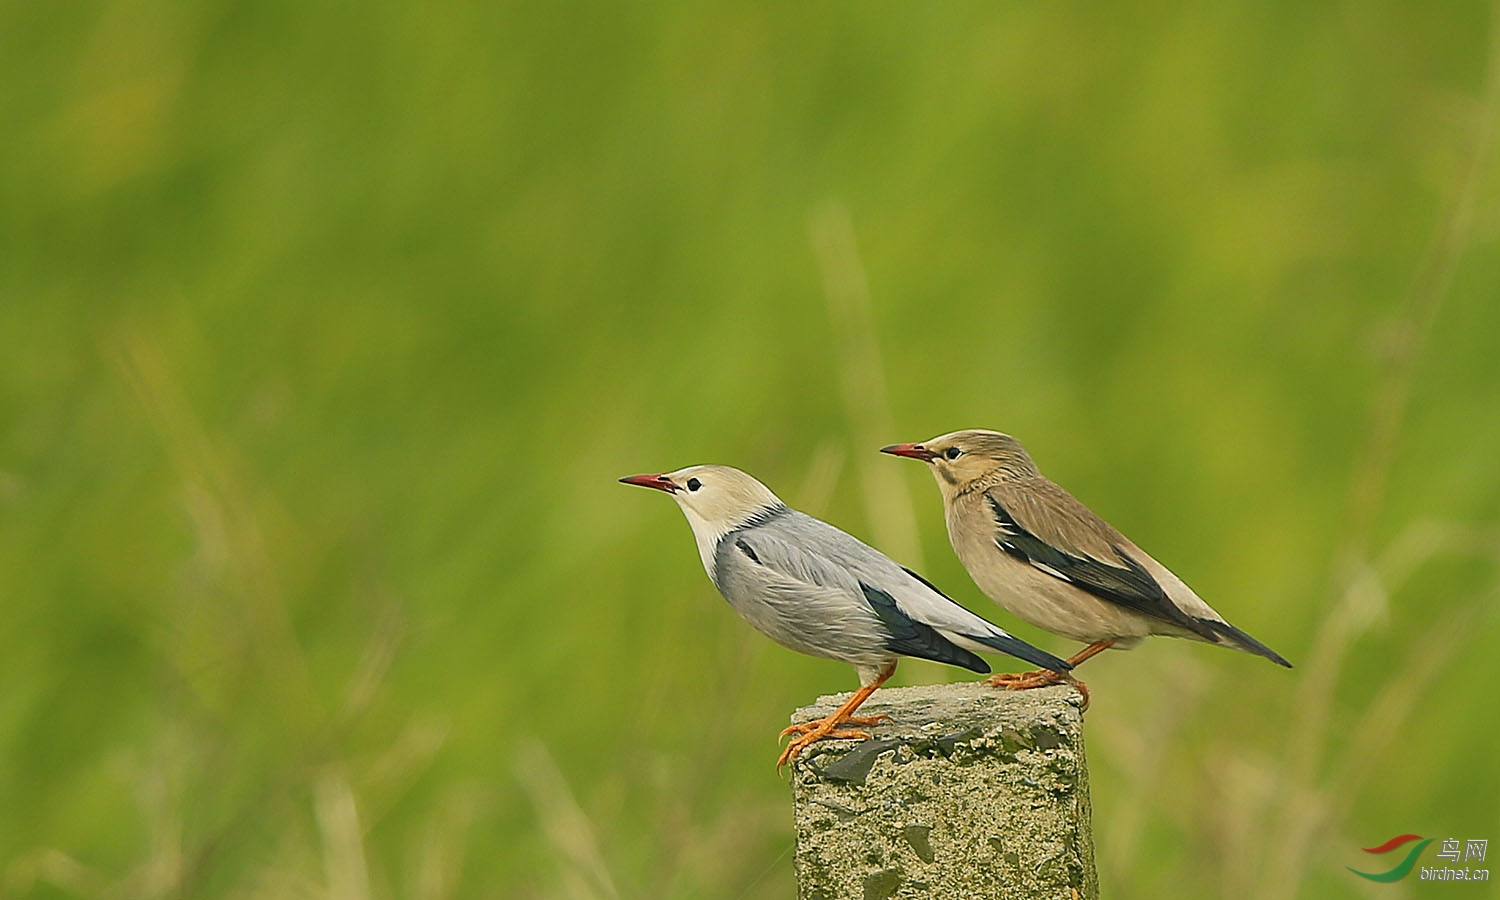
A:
(1083, 690)
(819, 729)
(1025, 681)
(795, 748)
(806, 727)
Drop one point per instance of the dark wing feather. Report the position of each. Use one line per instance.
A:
(913, 638)
(1122, 580)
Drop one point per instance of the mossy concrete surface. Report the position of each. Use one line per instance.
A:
(969, 792)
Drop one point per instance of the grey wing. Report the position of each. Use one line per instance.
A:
(1042, 524)
(793, 585)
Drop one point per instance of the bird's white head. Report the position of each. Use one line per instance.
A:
(715, 500)
(961, 459)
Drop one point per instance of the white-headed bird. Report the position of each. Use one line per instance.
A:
(813, 588)
(1041, 554)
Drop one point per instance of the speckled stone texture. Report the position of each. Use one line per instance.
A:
(970, 792)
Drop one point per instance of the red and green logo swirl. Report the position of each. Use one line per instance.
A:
(1402, 868)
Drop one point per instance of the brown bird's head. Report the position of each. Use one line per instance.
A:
(963, 458)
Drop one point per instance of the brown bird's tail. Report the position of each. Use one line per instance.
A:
(1244, 641)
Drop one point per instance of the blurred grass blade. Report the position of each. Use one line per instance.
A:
(563, 821)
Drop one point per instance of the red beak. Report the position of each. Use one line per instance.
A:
(660, 482)
(910, 451)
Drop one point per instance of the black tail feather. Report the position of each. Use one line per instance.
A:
(1022, 650)
(1245, 641)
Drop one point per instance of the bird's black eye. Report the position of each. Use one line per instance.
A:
(694, 484)
(953, 453)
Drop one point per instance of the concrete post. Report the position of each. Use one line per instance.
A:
(970, 792)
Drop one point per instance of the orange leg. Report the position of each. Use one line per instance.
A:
(1024, 681)
(828, 727)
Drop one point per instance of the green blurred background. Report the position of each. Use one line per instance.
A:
(328, 328)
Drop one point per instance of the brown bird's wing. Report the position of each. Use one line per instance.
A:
(1040, 523)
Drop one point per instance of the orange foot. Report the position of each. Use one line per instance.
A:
(805, 727)
(828, 726)
(1025, 681)
(818, 729)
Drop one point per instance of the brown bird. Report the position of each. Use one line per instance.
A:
(1041, 554)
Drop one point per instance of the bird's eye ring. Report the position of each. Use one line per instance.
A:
(694, 484)
(952, 453)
